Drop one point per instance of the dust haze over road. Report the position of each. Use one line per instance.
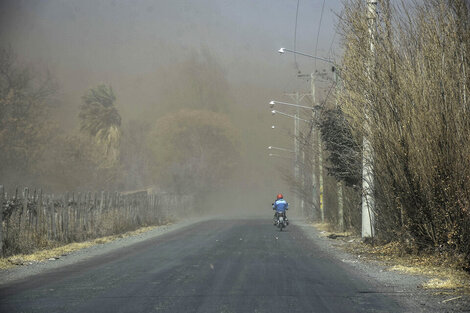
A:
(151, 52)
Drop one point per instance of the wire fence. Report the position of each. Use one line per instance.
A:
(31, 219)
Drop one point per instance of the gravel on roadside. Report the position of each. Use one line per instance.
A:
(404, 286)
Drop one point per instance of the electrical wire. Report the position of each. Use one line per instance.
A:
(318, 33)
(334, 37)
(295, 36)
(291, 81)
(331, 45)
(327, 95)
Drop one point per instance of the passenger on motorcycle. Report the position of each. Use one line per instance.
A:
(280, 206)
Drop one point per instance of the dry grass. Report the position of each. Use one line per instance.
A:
(444, 271)
(451, 283)
(43, 255)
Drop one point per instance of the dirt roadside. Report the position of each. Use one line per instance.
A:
(27, 265)
(428, 290)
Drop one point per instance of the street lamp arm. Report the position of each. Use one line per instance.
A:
(283, 50)
(273, 102)
(281, 149)
(289, 115)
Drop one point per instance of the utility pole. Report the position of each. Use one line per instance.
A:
(368, 201)
(339, 184)
(302, 201)
(320, 175)
(320, 159)
(296, 150)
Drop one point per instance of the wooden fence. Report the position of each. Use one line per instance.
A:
(31, 219)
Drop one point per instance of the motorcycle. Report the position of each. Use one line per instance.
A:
(281, 221)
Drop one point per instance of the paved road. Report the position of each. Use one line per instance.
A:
(212, 266)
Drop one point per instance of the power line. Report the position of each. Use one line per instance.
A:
(318, 33)
(328, 94)
(295, 44)
(331, 45)
(295, 36)
(334, 37)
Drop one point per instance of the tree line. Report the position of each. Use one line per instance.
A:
(186, 144)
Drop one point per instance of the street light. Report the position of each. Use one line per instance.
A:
(273, 102)
(283, 50)
(296, 145)
(288, 115)
(368, 170)
(333, 69)
(296, 134)
(281, 149)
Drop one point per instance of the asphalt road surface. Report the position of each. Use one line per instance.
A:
(212, 266)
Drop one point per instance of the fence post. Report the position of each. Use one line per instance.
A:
(78, 214)
(87, 213)
(32, 218)
(2, 195)
(39, 213)
(102, 202)
(47, 219)
(53, 219)
(93, 213)
(24, 211)
(65, 218)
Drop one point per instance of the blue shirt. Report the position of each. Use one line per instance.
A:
(280, 205)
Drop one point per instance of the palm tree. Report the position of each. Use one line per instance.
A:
(100, 119)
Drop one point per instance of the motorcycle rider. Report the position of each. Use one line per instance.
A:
(280, 206)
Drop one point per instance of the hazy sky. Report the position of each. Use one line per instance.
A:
(99, 39)
(133, 44)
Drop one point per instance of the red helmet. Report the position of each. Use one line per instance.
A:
(279, 196)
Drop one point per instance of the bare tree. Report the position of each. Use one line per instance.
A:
(26, 101)
(418, 117)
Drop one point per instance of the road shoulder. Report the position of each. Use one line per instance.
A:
(407, 288)
(29, 269)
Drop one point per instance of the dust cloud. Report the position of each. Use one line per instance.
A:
(190, 80)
